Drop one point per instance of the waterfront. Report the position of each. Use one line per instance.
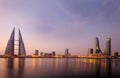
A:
(59, 68)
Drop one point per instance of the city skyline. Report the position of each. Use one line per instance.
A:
(59, 24)
(12, 50)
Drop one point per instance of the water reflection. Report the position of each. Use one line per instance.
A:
(21, 65)
(10, 68)
(15, 67)
(97, 70)
(61, 68)
(92, 68)
(100, 68)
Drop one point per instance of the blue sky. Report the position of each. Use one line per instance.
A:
(53, 25)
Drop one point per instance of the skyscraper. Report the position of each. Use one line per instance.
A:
(108, 47)
(66, 51)
(90, 51)
(11, 44)
(97, 46)
(22, 51)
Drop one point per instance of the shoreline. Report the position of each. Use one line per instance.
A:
(83, 57)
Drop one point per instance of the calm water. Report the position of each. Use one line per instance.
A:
(59, 68)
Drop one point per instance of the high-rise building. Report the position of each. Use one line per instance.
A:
(97, 46)
(53, 53)
(11, 44)
(116, 54)
(22, 51)
(41, 53)
(66, 51)
(108, 47)
(90, 51)
(36, 52)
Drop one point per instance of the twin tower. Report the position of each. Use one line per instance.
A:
(107, 50)
(10, 48)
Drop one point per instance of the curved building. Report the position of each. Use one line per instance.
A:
(97, 46)
(22, 51)
(10, 49)
(10, 45)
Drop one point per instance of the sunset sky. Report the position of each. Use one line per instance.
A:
(53, 25)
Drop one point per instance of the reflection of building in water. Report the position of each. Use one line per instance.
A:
(97, 68)
(10, 48)
(11, 71)
(10, 68)
(21, 63)
(93, 68)
(108, 68)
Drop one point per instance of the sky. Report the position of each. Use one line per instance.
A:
(54, 25)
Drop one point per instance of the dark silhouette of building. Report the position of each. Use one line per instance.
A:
(11, 44)
(22, 51)
(67, 52)
(97, 46)
(36, 52)
(41, 53)
(53, 53)
(90, 51)
(116, 54)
